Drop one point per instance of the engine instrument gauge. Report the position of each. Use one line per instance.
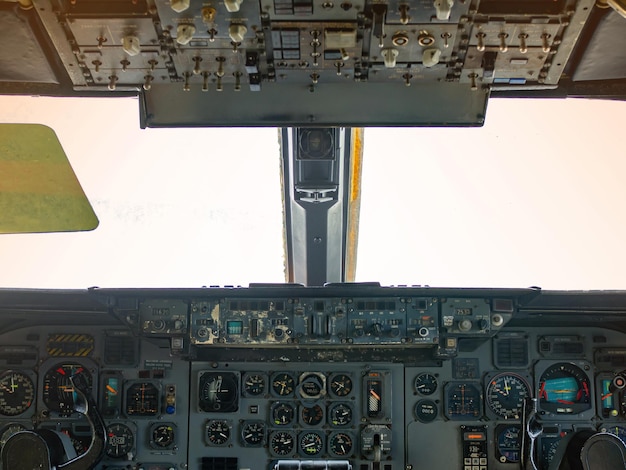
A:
(564, 389)
(253, 433)
(425, 384)
(282, 443)
(312, 385)
(311, 415)
(162, 436)
(120, 441)
(311, 443)
(17, 393)
(218, 392)
(283, 384)
(508, 443)
(463, 400)
(340, 444)
(341, 385)
(505, 395)
(282, 414)
(253, 384)
(340, 414)
(142, 399)
(58, 391)
(218, 432)
(426, 411)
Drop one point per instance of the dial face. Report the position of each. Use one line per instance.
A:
(340, 414)
(340, 444)
(426, 411)
(218, 392)
(282, 443)
(253, 384)
(509, 443)
(506, 394)
(120, 440)
(311, 443)
(463, 400)
(17, 392)
(162, 436)
(218, 432)
(253, 433)
(58, 391)
(282, 414)
(312, 415)
(341, 385)
(143, 399)
(564, 389)
(312, 385)
(425, 384)
(283, 384)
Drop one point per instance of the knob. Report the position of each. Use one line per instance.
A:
(465, 325)
(237, 32)
(483, 324)
(443, 8)
(423, 332)
(233, 5)
(430, 57)
(179, 5)
(184, 33)
(389, 56)
(376, 329)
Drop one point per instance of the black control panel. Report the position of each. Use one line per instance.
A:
(338, 377)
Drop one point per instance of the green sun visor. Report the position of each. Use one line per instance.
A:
(39, 191)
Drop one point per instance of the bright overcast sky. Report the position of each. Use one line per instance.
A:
(534, 197)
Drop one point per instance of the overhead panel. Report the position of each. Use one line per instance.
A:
(303, 62)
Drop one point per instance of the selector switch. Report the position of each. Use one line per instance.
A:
(233, 6)
(465, 325)
(236, 32)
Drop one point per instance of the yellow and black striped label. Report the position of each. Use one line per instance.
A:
(70, 345)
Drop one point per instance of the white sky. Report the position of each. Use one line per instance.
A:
(534, 197)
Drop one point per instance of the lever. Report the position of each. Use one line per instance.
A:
(533, 430)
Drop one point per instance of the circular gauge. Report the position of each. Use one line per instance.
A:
(425, 384)
(281, 443)
(17, 392)
(253, 384)
(618, 431)
(311, 415)
(341, 385)
(426, 411)
(162, 436)
(283, 384)
(509, 443)
(253, 433)
(506, 394)
(564, 389)
(120, 440)
(340, 444)
(142, 399)
(282, 414)
(549, 447)
(311, 443)
(8, 431)
(340, 414)
(312, 385)
(463, 400)
(218, 432)
(218, 392)
(58, 391)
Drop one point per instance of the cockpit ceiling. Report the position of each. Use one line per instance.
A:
(312, 62)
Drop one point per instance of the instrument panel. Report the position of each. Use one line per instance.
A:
(370, 380)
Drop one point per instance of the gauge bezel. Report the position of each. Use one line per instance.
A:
(250, 422)
(335, 405)
(213, 422)
(478, 392)
(309, 406)
(422, 375)
(133, 432)
(281, 432)
(128, 385)
(316, 379)
(230, 402)
(333, 391)
(423, 418)
(499, 430)
(579, 411)
(321, 438)
(290, 382)
(53, 363)
(172, 444)
(333, 435)
(291, 407)
(245, 390)
(510, 413)
(26, 410)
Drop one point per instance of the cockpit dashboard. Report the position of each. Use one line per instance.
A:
(337, 377)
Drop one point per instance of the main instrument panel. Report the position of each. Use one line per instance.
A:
(338, 377)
